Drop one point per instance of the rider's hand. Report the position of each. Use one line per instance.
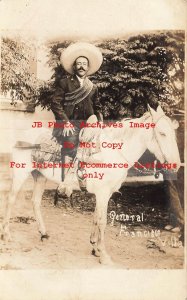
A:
(69, 129)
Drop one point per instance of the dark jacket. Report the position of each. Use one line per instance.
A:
(81, 111)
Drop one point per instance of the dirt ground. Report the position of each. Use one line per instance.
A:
(69, 226)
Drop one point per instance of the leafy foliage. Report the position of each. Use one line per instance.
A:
(16, 75)
(144, 69)
(147, 68)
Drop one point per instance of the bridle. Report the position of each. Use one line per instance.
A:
(156, 172)
(146, 171)
(156, 138)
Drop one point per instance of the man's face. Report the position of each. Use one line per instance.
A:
(81, 66)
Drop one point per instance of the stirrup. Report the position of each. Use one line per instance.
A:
(80, 172)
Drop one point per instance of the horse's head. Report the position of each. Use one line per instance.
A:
(163, 143)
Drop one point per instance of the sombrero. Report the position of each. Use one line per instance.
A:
(72, 52)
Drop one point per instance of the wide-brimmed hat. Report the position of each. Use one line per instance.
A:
(72, 52)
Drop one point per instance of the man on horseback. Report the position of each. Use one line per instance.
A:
(76, 99)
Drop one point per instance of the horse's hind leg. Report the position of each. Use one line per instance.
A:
(39, 186)
(10, 200)
(94, 234)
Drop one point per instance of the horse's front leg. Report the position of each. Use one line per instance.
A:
(102, 199)
(39, 186)
(94, 234)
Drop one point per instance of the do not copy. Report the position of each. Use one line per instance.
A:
(113, 146)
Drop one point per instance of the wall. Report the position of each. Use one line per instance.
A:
(16, 125)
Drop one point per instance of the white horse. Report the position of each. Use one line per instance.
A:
(160, 140)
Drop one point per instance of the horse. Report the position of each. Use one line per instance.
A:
(159, 139)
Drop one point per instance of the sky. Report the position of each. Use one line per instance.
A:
(90, 19)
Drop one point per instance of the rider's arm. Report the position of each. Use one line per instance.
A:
(57, 102)
(58, 110)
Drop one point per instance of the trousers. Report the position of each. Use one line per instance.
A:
(71, 152)
(175, 207)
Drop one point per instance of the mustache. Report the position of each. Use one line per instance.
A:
(81, 69)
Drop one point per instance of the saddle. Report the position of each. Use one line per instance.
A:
(49, 149)
(88, 137)
(75, 177)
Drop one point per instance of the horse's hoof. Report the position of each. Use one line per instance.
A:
(44, 236)
(106, 260)
(95, 253)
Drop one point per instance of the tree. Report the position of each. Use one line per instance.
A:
(16, 75)
(145, 69)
